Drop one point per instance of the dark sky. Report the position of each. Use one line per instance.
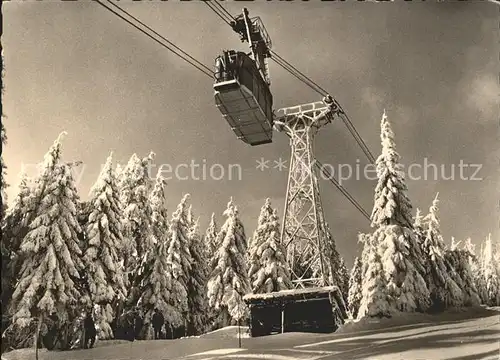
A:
(434, 67)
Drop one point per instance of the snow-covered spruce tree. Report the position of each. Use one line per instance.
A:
(14, 228)
(394, 237)
(476, 270)
(178, 265)
(365, 241)
(179, 238)
(83, 210)
(3, 141)
(15, 225)
(7, 276)
(334, 264)
(157, 201)
(490, 273)
(49, 280)
(391, 202)
(344, 283)
(135, 185)
(418, 228)
(443, 289)
(355, 288)
(3, 173)
(229, 282)
(375, 299)
(156, 283)
(211, 239)
(268, 270)
(197, 283)
(104, 242)
(452, 260)
(496, 257)
(156, 286)
(119, 171)
(458, 260)
(190, 217)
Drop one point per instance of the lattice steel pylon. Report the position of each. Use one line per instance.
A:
(304, 231)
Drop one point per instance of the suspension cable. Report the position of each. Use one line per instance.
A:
(284, 66)
(350, 126)
(342, 189)
(204, 69)
(356, 135)
(318, 88)
(343, 115)
(224, 10)
(214, 9)
(314, 86)
(161, 37)
(280, 61)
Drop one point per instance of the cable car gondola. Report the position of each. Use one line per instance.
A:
(244, 98)
(242, 84)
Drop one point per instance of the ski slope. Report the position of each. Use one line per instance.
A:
(471, 335)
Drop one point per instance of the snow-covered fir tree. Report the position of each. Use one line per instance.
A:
(452, 260)
(119, 171)
(135, 185)
(104, 241)
(475, 268)
(490, 274)
(334, 264)
(156, 278)
(268, 270)
(211, 238)
(458, 260)
(17, 218)
(496, 257)
(375, 299)
(229, 279)
(179, 261)
(3, 141)
(444, 291)
(3, 172)
(83, 210)
(344, 280)
(365, 241)
(49, 281)
(457, 265)
(180, 226)
(197, 282)
(418, 226)
(394, 237)
(157, 201)
(190, 216)
(7, 275)
(103, 318)
(419, 231)
(391, 202)
(355, 288)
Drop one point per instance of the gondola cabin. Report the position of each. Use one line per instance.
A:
(243, 97)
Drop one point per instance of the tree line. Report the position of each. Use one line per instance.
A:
(405, 265)
(120, 256)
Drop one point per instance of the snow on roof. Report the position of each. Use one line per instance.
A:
(291, 293)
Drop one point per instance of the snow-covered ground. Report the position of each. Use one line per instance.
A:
(229, 332)
(471, 335)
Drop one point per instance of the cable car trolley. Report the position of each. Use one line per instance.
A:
(241, 86)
